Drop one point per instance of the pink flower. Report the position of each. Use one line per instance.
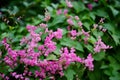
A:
(95, 26)
(65, 11)
(69, 4)
(90, 6)
(99, 45)
(76, 17)
(0, 54)
(47, 16)
(80, 23)
(86, 40)
(68, 27)
(16, 76)
(102, 20)
(100, 27)
(89, 62)
(85, 33)
(31, 28)
(27, 79)
(73, 33)
(70, 22)
(58, 33)
(104, 30)
(59, 11)
(43, 25)
(96, 0)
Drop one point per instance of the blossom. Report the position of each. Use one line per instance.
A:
(104, 30)
(69, 4)
(95, 26)
(89, 62)
(43, 25)
(58, 33)
(31, 28)
(70, 22)
(102, 20)
(76, 17)
(80, 23)
(59, 11)
(65, 11)
(73, 33)
(96, 0)
(85, 33)
(99, 45)
(47, 16)
(90, 6)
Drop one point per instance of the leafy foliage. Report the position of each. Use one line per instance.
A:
(15, 15)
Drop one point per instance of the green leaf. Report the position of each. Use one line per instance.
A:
(57, 51)
(3, 26)
(116, 39)
(101, 13)
(97, 33)
(50, 9)
(70, 43)
(115, 78)
(114, 11)
(110, 27)
(64, 31)
(92, 40)
(87, 25)
(89, 47)
(69, 73)
(78, 6)
(51, 57)
(4, 68)
(54, 5)
(58, 19)
(92, 15)
(99, 56)
(10, 70)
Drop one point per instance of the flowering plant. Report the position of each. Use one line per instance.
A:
(62, 46)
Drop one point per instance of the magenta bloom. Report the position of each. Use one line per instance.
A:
(73, 33)
(58, 33)
(70, 22)
(90, 6)
(59, 11)
(80, 23)
(65, 11)
(89, 62)
(99, 45)
(69, 4)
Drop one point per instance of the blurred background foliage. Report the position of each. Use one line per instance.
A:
(16, 14)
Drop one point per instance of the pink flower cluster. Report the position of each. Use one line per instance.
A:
(59, 11)
(69, 4)
(99, 45)
(89, 62)
(30, 57)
